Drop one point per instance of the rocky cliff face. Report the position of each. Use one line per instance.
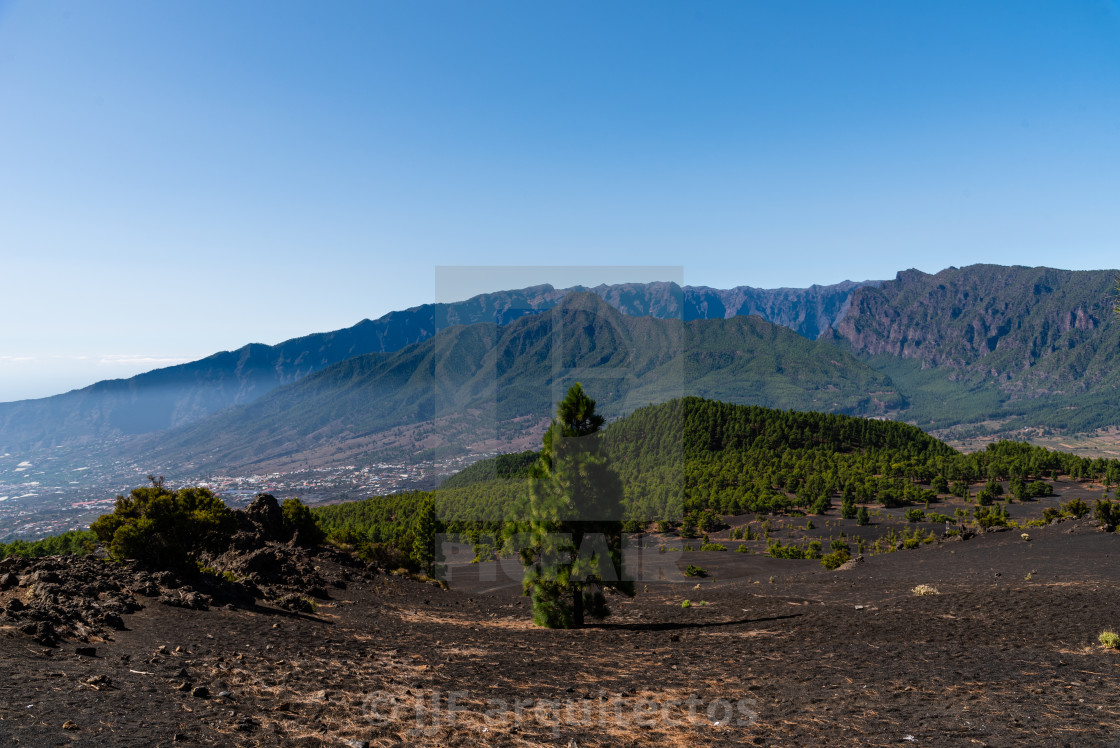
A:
(1031, 329)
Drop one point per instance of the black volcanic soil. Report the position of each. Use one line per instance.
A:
(782, 653)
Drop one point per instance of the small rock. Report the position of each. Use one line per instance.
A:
(201, 692)
(225, 695)
(247, 724)
(69, 725)
(113, 621)
(86, 651)
(184, 686)
(356, 743)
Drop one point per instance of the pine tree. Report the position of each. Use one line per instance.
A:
(423, 535)
(863, 517)
(573, 547)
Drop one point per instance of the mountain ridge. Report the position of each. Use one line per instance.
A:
(511, 375)
(177, 395)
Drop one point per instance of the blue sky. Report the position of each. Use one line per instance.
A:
(179, 178)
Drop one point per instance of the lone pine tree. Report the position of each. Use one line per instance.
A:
(571, 543)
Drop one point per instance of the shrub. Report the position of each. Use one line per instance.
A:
(915, 515)
(862, 516)
(1076, 508)
(164, 528)
(1107, 513)
(835, 559)
(686, 604)
(713, 547)
(777, 550)
(924, 589)
(299, 519)
(743, 548)
(695, 571)
(1037, 489)
(1109, 639)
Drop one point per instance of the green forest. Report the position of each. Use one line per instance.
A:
(686, 463)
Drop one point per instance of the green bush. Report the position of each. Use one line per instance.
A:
(713, 547)
(835, 559)
(777, 550)
(1107, 513)
(695, 571)
(298, 518)
(1109, 639)
(915, 515)
(164, 528)
(1038, 489)
(1076, 508)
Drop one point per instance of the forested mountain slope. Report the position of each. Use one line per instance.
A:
(483, 381)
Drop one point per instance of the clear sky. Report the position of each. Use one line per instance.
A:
(178, 178)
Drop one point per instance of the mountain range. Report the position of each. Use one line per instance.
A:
(978, 349)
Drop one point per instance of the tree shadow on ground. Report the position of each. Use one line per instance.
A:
(680, 626)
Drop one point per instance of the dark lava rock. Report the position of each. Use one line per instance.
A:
(86, 651)
(183, 599)
(201, 692)
(265, 518)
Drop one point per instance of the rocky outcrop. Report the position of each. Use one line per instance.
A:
(1032, 330)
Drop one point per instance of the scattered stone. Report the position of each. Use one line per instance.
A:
(201, 692)
(98, 682)
(247, 724)
(225, 695)
(186, 599)
(356, 743)
(69, 725)
(86, 651)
